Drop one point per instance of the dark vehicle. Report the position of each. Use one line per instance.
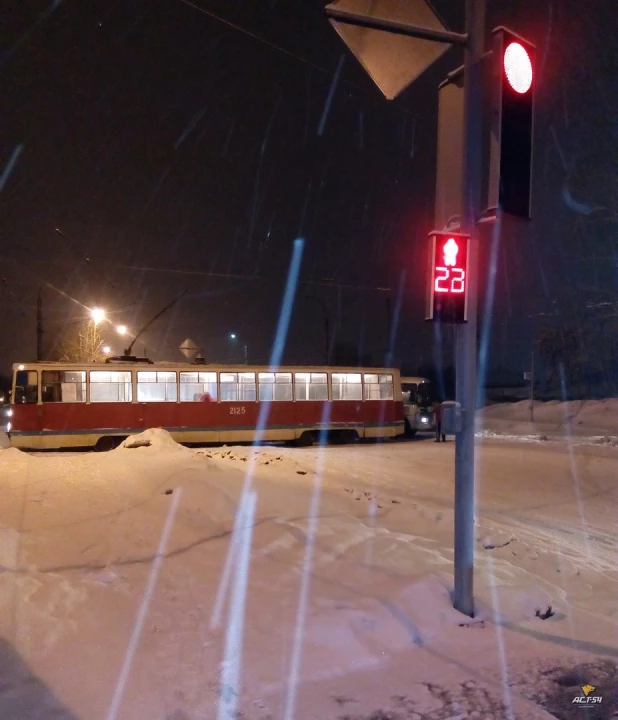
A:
(417, 405)
(5, 417)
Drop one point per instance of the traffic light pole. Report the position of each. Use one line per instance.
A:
(39, 324)
(473, 42)
(466, 333)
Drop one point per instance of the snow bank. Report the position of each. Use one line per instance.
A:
(12, 455)
(156, 439)
(594, 420)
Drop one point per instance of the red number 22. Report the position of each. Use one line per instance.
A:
(443, 275)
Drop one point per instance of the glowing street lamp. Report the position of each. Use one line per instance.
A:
(106, 349)
(121, 329)
(234, 336)
(98, 315)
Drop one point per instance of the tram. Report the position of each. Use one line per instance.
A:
(71, 405)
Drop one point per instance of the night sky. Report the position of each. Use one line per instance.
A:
(180, 150)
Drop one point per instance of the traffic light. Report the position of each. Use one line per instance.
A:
(447, 299)
(513, 60)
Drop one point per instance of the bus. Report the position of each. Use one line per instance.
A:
(417, 405)
(69, 405)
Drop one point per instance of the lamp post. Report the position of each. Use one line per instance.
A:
(39, 324)
(234, 337)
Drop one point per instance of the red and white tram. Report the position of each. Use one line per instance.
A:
(65, 405)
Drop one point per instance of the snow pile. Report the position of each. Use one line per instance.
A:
(585, 420)
(156, 439)
(11, 455)
(492, 435)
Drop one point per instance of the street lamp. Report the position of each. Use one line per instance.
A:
(234, 336)
(121, 329)
(106, 349)
(98, 315)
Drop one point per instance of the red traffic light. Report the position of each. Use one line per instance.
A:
(518, 67)
(448, 277)
(512, 123)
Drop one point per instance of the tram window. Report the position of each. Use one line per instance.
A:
(110, 386)
(198, 386)
(26, 386)
(310, 386)
(157, 386)
(238, 387)
(275, 386)
(410, 389)
(347, 386)
(378, 387)
(387, 387)
(424, 394)
(67, 386)
(371, 387)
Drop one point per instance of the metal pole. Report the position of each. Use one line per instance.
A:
(466, 333)
(389, 324)
(532, 389)
(246, 354)
(326, 338)
(392, 26)
(39, 324)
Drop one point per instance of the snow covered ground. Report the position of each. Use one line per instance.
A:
(118, 599)
(582, 421)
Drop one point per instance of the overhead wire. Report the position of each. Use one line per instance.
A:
(274, 46)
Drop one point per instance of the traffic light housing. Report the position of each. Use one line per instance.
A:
(447, 297)
(512, 123)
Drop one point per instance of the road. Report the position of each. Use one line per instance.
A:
(364, 533)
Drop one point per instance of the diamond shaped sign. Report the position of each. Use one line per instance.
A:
(188, 348)
(392, 61)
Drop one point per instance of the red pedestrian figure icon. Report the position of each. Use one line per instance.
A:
(450, 252)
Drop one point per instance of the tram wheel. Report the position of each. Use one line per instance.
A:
(408, 431)
(305, 440)
(105, 443)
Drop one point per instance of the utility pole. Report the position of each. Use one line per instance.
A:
(532, 388)
(39, 324)
(466, 333)
(389, 324)
(326, 339)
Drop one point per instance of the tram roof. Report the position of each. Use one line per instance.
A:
(197, 367)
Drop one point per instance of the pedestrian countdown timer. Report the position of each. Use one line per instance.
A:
(447, 297)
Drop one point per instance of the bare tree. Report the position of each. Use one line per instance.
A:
(81, 343)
